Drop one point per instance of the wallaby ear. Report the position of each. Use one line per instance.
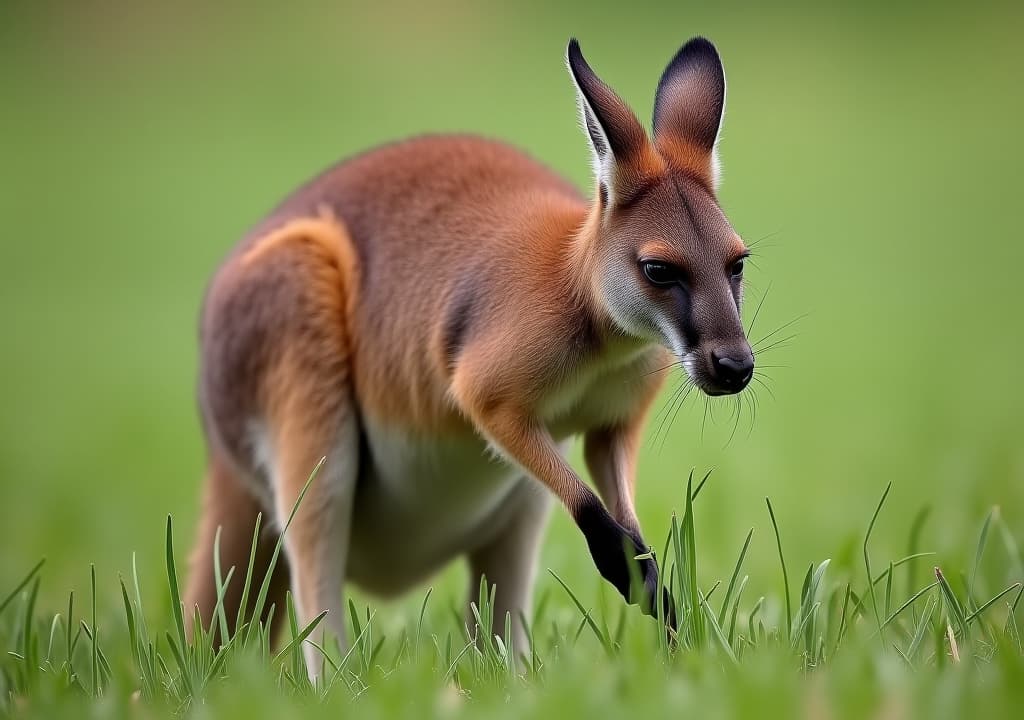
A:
(618, 141)
(690, 101)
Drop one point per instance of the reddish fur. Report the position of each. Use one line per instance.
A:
(228, 505)
(683, 156)
(348, 303)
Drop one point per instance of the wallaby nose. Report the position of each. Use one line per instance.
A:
(733, 369)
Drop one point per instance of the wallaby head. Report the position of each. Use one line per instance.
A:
(667, 265)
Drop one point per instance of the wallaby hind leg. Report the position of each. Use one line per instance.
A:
(317, 540)
(278, 386)
(508, 560)
(230, 506)
(310, 413)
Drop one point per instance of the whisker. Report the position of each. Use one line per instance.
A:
(673, 411)
(736, 422)
(679, 406)
(662, 415)
(704, 422)
(797, 319)
(763, 384)
(676, 363)
(753, 410)
(754, 243)
(680, 391)
(776, 344)
(757, 311)
(754, 248)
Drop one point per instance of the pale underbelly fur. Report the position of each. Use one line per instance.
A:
(422, 501)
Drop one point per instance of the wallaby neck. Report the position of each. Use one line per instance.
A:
(576, 273)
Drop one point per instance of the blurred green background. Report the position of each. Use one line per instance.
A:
(877, 150)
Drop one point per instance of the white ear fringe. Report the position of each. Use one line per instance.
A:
(716, 160)
(602, 164)
(716, 168)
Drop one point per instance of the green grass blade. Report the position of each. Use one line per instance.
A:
(903, 655)
(700, 485)
(716, 632)
(172, 582)
(805, 622)
(357, 628)
(922, 627)
(690, 555)
(133, 634)
(913, 598)
(913, 543)
(54, 629)
(735, 609)
(677, 582)
(735, 574)
(347, 657)
(888, 589)
(143, 628)
(981, 609)
(419, 621)
(221, 584)
(953, 605)
(754, 612)
(29, 644)
(867, 559)
(785, 575)
(842, 621)
(605, 641)
(68, 636)
(183, 669)
(902, 561)
(980, 550)
(1010, 628)
(243, 604)
(95, 644)
(21, 586)
(809, 606)
(219, 616)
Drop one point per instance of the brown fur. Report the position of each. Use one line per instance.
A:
(229, 506)
(443, 287)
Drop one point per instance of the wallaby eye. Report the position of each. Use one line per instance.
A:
(659, 273)
(737, 268)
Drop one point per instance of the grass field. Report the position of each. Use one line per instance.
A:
(873, 152)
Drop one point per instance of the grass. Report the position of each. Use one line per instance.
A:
(871, 156)
(842, 635)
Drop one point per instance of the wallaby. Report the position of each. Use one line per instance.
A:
(438, 317)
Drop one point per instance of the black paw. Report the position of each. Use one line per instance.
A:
(615, 551)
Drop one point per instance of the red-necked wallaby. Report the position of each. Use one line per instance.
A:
(437, 318)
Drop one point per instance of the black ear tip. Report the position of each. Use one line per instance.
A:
(573, 53)
(698, 50)
(700, 45)
(577, 63)
(698, 53)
